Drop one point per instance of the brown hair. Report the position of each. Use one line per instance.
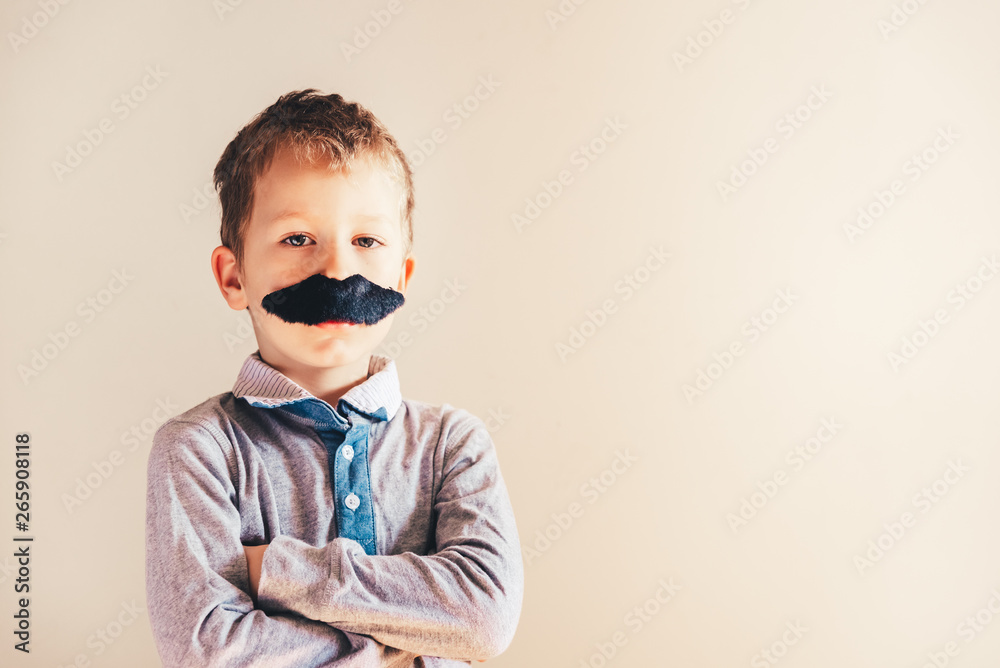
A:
(317, 127)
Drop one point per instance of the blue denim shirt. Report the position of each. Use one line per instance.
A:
(391, 537)
(345, 433)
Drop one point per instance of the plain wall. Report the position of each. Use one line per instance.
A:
(711, 154)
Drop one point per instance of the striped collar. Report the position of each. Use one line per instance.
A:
(265, 387)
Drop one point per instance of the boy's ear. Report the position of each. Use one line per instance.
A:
(227, 276)
(406, 271)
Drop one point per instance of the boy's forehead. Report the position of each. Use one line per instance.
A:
(286, 165)
(293, 160)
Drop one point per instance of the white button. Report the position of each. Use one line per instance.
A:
(348, 452)
(352, 501)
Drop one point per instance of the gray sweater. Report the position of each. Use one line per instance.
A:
(391, 536)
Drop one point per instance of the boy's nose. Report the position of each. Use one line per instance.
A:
(335, 265)
(338, 274)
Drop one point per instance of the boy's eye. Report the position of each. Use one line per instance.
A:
(363, 241)
(296, 236)
(299, 240)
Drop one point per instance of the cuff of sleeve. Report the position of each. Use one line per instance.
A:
(294, 577)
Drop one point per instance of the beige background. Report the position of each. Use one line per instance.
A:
(169, 336)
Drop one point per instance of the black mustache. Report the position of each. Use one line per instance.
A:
(318, 299)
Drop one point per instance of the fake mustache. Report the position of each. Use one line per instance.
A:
(319, 299)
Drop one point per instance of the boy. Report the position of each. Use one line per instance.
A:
(311, 516)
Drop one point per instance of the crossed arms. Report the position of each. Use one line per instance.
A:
(332, 605)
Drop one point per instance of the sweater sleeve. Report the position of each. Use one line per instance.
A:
(461, 603)
(197, 579)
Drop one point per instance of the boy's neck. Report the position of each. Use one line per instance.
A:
(326, 383)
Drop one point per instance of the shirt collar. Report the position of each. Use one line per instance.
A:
(264, 386)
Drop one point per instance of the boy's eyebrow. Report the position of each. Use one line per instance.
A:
(289, 213)
(373, 218)
(363, 217)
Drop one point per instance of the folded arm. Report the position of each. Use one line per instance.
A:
(196, 572)
(463, 602)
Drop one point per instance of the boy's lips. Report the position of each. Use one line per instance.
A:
(335, 324)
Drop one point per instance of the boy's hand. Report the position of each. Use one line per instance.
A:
(479, 660)
(255, 556)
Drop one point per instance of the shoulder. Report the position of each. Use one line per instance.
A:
(209, 415)
(455, 433)
(446, 420)
(199, 430)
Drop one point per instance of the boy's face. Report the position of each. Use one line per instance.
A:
(308, 220)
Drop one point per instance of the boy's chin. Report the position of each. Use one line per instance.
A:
(332, 359)
(319, 346)
(333, 351)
